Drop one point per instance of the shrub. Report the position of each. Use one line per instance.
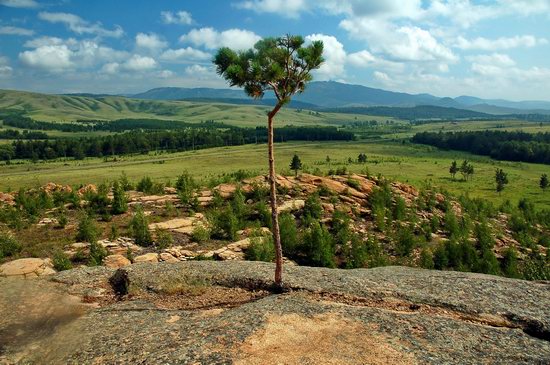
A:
(224, 224)
(313, 208)
(139, 227)
(399, 209)
(125, 183)
(8, 245)
(164, 238)
(186, 185)
(261, 249)
(354, 183)
(61, 261)
(145, 185)
(405, 241)
(62, 220)
(318, 246)
(487, 263)
(441, 261)
(200, 234)
(87, 229)
(120, 200)
(426, 259)
(289, 234)
(264, 214)
(113, 234)
(97, 254)
(238, 205)
(355, 254)
(509, 263)
(451, 224)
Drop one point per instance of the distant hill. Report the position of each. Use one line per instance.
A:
(331, 94)
(414, 113)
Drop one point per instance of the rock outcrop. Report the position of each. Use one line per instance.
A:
(223, 312)
(27, 268)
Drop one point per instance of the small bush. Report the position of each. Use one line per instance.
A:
(61, 261)
(87, 229)
(261, 249)
(120, 200)
(8, 245)
(164, 238)
(289, 234)
(139, 227)
(313, 208)
(200, 234)
(97, 254)
(318, 246)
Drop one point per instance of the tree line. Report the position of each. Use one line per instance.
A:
(173, 141)
(500, 145)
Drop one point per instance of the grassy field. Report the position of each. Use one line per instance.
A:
(415, 164)
(60, 108)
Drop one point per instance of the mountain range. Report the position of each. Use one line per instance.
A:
(331, 94)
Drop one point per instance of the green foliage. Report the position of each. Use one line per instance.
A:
(313, 208)
(238, 206)
(147, 186)
(453, 169)
(62, 220)
(451, 225)
(225, 223)
(186, 186)
(317, 246)
(535, 267)
(295, 164)
(119, 204)
(289, 234)
(264, 214)
(356, 254)
(61, 261)
(466, 169)
(487, 263)
(354, 183)
(164, 238)
(282, 64)
(113, 234)
(543, 182)
(87, 230)
(261, 249)
(426, 259)
(125, 184)
(200, 234)
(9, 246)
(501, 179)
(362, 158)
(509, 263)
(399, 209)
(405, 241)
(97, 254)
(139, 228)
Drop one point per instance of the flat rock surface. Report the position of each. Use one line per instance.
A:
(201, 312)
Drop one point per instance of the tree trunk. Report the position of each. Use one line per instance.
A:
(273, 201)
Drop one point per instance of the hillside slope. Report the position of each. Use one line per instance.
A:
(63, 108)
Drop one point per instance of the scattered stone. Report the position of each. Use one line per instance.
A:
(226, 190)
(7, 199)
(90, 188)
(148, 257)
(116, 261)
(166, 257)
(291, 205)
(47, 221)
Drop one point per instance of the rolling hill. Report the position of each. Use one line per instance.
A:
(330, 94)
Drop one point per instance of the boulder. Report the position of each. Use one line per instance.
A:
(116, 261)
(226, 190)
(27, 268)
(7, 199)
(148, 257)
(166, 257)
(291, 205)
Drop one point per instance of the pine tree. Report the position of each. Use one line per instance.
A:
(453, 169)
(543, 182)
(120, 200)
(501, 179)
(282, 65)
(295, 164)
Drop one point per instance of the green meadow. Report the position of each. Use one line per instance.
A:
(418, 165)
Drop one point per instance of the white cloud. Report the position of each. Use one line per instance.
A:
(111, 68)
(151, 42)
(361, 58)
(486, 44)
(5, 69)
(405, 43)
(9, 30)
(55, 54)
(48, 58)
(334, 54)
(79, 25)
(20, 3)
(184, 55)
(165, 74)
(139, 63)
(497, 59)
(285, 8)
(210, 38)
(180, 17)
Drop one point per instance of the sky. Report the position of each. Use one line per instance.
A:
(484, 48)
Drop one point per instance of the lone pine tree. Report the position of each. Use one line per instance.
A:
(295, 164)
(283, 66)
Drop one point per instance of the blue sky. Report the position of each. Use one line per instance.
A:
(490, 49)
